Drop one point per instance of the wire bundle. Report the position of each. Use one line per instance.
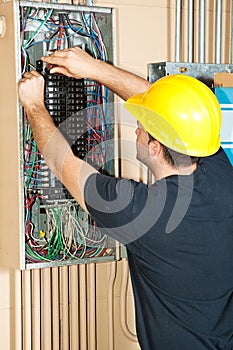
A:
(64, 238)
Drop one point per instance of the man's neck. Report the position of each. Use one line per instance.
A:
(167, 170)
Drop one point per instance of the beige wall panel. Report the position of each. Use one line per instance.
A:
(103, 279)
(104, 339)
(5, 297)
(10, 338)
(10, 290)
(143, 34)
(11, 293)
(124, 322)
(130, 316)
(144, 3)
(115, 322)
(10, 309)
(5, 328)
(10, 209)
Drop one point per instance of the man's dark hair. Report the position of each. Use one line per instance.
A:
(174, 158)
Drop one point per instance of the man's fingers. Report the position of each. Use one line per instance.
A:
(57, 57)
(27, 75)
(35, 73)
(59, 70)
(57, 61)
(60, 53)
(31, 74)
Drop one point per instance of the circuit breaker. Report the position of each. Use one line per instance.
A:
(53, 230)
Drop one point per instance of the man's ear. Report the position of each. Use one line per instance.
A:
(155, 148)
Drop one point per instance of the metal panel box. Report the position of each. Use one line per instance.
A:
(35, 210)
(202, 71)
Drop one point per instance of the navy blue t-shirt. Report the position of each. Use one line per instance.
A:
(179, 238)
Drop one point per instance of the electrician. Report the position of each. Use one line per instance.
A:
(178, 231)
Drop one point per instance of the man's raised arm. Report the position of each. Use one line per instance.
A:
(76, 63)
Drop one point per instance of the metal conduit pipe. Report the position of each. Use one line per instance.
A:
(16, 282)
(201, 31)
(178, 30)
(27, 330)
(36, 310)
(190, 31)
(55, 315)
(83, 307)
(64, 278)
(111, 281)
(46, 302)
(218, 34)
(123, 299)
(91, 268)
(74, 306)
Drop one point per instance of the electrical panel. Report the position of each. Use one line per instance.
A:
(202, 71)
(55, 230)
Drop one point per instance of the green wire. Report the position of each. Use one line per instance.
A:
(55, 243)
(37, 30)
(56, 248)
(33, 164)
(35, 255)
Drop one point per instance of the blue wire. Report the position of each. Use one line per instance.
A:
(50, 26)
(92, 35)
(48, 41)
(77, 30)
(96, 94)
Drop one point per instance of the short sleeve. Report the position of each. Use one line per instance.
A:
(116, 204)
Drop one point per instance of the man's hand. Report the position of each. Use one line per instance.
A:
(73, 62)
(31, 90)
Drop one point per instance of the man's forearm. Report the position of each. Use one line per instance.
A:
(121, 82)
(50, 142)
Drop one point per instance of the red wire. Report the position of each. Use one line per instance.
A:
(60, 36)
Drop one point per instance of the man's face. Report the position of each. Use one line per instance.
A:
(142, 144)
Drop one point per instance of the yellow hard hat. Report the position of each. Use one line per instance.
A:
(180, 112)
